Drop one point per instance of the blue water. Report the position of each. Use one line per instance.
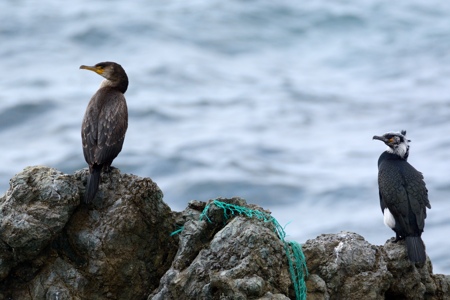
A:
(273, 101)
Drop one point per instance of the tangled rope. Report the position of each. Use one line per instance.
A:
(296, 258)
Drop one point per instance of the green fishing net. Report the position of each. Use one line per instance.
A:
(296, 258)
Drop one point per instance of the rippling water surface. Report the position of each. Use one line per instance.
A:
(273, 101)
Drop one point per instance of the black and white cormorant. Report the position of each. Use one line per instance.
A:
(105, 123)
(403, 194)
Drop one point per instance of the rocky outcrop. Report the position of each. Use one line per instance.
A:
(54, 248)
(121, 247)
(34, 210)
(226, 258)
(345, 266)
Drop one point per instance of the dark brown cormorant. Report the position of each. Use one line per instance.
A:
(105, 123)
(403, 194)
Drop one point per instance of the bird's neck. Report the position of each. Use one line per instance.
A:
(401, 151)
(106, 83)
(388, 156)
(121, 85)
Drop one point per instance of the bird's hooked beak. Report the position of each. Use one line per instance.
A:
(97, 69)
(381, 138)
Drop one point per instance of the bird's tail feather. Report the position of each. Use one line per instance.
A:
(92, 184)
(416, 249)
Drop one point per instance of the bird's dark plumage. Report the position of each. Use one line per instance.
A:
(105, 123)
(403, 194)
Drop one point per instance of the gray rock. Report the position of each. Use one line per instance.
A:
(411, 281)
(117, 249)
(120, 247)
(239, 258)
(345, 266)
(33, 211)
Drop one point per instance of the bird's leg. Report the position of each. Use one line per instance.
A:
(398, 237)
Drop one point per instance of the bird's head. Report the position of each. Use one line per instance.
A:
(113, 72)
(397, 143)
(107, 69)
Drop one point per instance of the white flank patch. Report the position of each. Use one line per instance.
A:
(389, 220)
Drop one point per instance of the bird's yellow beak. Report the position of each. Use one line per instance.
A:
(96, 69)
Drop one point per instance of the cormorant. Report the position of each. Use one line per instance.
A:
(403, 195)
(105, 123)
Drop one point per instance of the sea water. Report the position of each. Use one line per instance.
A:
(272, 101)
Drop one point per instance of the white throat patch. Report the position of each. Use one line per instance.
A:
(389, 220)
(105, 82)
(400, 150)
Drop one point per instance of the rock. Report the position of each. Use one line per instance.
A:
(345, 266)
(35, 210)
(54, 248)
(220, 258)
(410, 281)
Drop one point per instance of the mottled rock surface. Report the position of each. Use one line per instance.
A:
(220, 258)
(53, 247)
(345, 266)
(33, 211)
